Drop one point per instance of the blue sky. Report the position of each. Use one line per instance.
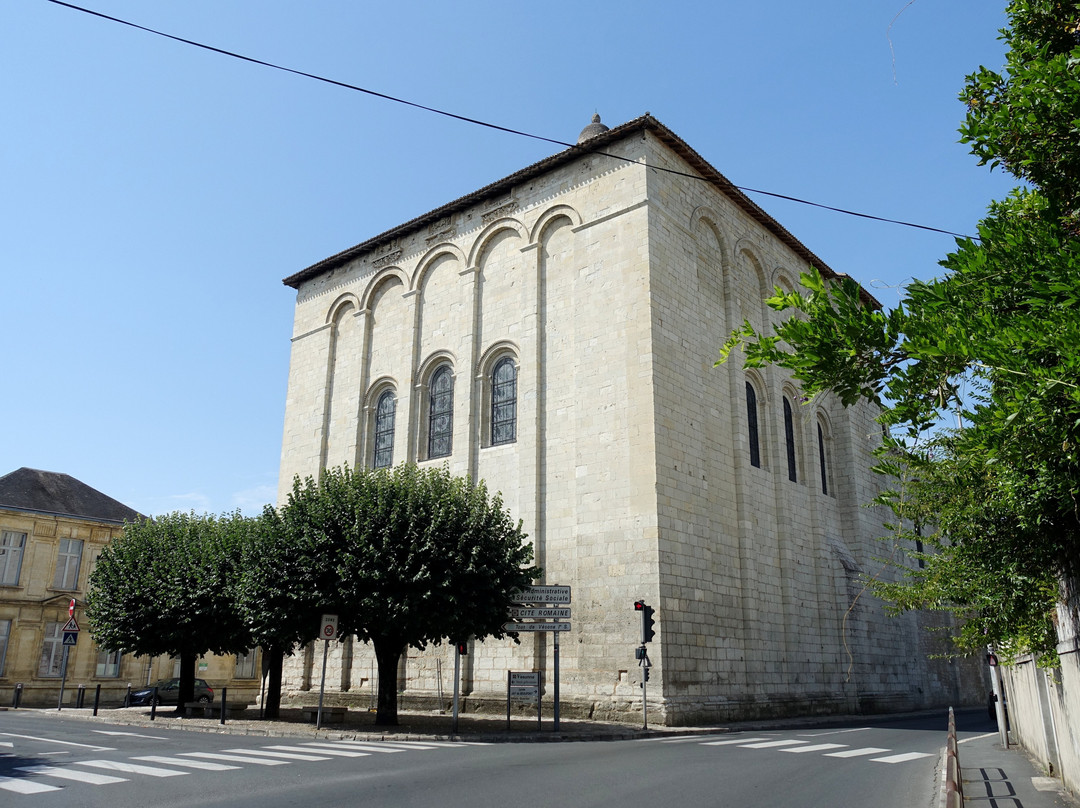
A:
(155, 194)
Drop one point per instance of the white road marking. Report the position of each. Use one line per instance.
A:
(902, 758)
(866, 750)
(286, 755)
(770, 744)
(20, 785)
(411, 745)
(734, 741)
(366, 747)
(834, 732)
(131, 768)
(323, 750)
(237, 759)
(130, 734)
(194, 764)
(73, 774)
(817, 747)
(91, 747)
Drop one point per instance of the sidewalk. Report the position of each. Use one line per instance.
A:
(1006, 778)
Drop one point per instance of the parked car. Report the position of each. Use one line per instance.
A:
(168, 690)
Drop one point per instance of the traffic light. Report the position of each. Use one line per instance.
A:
(463, 649)
(648, 630)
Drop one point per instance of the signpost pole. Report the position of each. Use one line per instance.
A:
(457, 686)
(556, 694)
(322, 684)
(63, 678)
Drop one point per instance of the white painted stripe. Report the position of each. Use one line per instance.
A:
(770, 744)
(904, 758)
(236, 759)
(72, 774)
(20, 785)
(322, 750)
(131, 768)
(285, 755)
(436, 744)
(834, 732)
(411, 745)
(733, 741)
(366, 747)
(866, 750)
(62, 743)
(817, 747)
(691, 739)
(192, 764)
(130, 734)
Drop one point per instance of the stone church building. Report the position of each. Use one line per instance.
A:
(555, 334)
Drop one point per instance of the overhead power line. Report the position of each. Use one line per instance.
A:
(486, 124)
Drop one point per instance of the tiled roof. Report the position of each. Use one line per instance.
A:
(592, 145)
(56, 494)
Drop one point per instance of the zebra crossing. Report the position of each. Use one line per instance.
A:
(44, 778)
(798, 746)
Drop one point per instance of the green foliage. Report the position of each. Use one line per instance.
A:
(995, 341)
(166, 587)
(409, 556)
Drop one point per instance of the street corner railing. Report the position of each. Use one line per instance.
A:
(954, 783)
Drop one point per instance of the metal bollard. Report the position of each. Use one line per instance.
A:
(97, 698)
(224, 699)
(80, 697)
(153, 705)
(16, 697)
(127, 696)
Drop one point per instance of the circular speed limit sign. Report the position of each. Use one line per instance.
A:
(328, 627)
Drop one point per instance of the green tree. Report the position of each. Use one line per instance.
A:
(289, 578)
(420, 556)
(995, 340)
(166, 587)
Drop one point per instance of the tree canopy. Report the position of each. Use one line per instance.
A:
(993, 343)
(419, 556)
(166, 586)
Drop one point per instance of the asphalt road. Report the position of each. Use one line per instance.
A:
(48, 761)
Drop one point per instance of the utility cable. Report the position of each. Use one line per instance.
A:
(478, 122)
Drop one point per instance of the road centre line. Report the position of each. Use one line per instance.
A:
(91, 747)
(130, 734)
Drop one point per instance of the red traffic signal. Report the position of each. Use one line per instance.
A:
(463, 649)
(646, 611)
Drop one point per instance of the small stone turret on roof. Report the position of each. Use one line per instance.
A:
(592, 130)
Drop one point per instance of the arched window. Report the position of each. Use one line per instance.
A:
(752, 425)
(384, 431)
(504, 402)
(789, 441)
(823, 459)
(441, 413)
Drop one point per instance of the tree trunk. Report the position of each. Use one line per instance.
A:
(387, 654)
(186, 691)
(273, 658)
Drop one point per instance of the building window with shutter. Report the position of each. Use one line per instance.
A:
(11, 553)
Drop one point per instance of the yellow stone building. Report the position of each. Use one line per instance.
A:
(52, 530)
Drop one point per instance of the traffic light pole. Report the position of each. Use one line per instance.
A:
(644, 663)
